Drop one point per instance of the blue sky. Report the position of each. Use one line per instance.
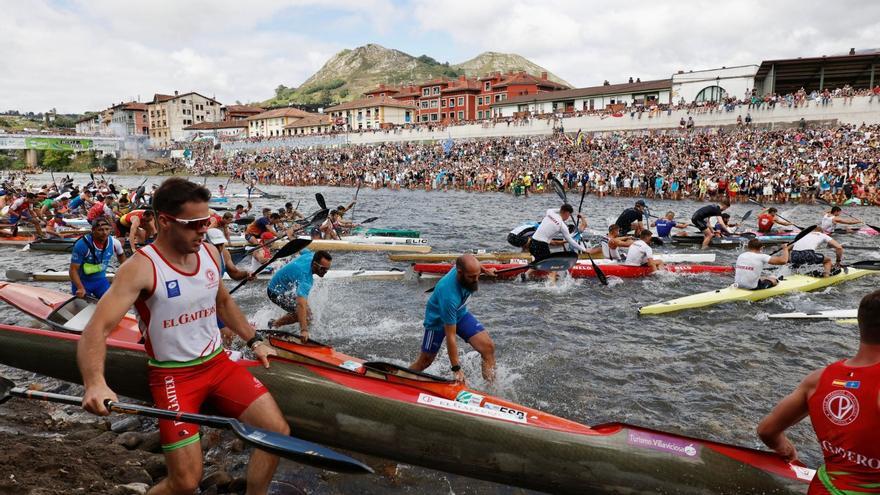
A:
(79, 55)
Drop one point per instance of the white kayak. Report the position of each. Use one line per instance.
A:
(391, 241)
(834, 314)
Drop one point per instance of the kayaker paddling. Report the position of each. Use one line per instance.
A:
(290, 286)
(90, 259)
(750, 266)
(641, 254)
(768, 218)
(803, 252)
(446, 315)
(701, 217)
(175, 287)
(843, 403)
(831, 218)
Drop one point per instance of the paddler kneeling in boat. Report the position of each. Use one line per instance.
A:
(290, 286)
(842, 401)
(803, 252)
(751, 263)
(91, 257)
(446, 315)
(174, 284)
(641, 254)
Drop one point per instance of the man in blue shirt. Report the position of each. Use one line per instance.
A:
(446, 316)
(666, 224)
(91, 257)
(290, 286)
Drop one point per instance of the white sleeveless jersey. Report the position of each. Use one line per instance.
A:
(607, 252)
(828, 224)
(179, 318)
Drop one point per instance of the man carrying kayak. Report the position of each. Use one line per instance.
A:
(803, 252)
(446, 315)
(631, 218)
(667, 223)
(843, 403)
(751, 263)
(174, 284)
(551, 226)
(641, 254)
(290, 287)
(91, 258)
(832, 218)
(768, 218)
(701, 217)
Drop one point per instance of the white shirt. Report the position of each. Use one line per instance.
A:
(811, 242)
(639, 253)
(828, 224)
(551, 226)
(749, 266)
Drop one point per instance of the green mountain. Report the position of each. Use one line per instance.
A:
(351, 72)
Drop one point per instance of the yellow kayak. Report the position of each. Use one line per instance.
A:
(791, 283)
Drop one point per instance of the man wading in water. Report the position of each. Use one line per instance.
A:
(175, 286)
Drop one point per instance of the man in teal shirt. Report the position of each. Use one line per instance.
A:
(290, 287)
(446, 316)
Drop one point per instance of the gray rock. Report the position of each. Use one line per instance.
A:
(219, 478)
(133, 489)
(127, 423)
(130, 439)
(155, 466)
(151, 442)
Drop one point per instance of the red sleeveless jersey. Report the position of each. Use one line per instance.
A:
(765, 222)
(846, 417)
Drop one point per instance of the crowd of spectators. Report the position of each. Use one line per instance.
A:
(790, 165)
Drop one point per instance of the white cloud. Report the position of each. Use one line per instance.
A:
(88, 54)
(588, 42)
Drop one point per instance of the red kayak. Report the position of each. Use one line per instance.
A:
(585, 270)
(383, 409)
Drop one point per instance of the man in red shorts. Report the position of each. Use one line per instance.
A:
(175, 286)
(843, 402)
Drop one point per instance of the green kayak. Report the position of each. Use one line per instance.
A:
(385, 232)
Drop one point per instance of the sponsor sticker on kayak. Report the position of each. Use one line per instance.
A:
(442, 403)
(803, 473)
(676, 446)
(469, 398)
(520, 415)
(351, 365)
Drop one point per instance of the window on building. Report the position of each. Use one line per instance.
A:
(443, 115)
(423, 118)
(487, 86)
(461, 101)
(479, 100)
(426, 92)
(424, 104)
(480, 114)
(433, 103)
(451, 102)
(497, 98)
(443, 103)
(460, 115)
(434, 116)
(711, 93)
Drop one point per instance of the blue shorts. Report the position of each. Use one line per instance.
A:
(467, 327)
(94, 287)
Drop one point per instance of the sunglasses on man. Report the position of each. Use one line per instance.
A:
(190, 223)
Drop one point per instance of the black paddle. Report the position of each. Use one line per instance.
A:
(741, 220)
(753, 201)
(18, 276)
(275, 443)
(370, 220)
(798, 237)
(289, 249)
(599, 273)
(320, 199)
(866, 265)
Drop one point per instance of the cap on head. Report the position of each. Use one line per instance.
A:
(641, 203)
(216, 237)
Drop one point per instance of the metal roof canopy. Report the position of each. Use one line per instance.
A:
(816, 73)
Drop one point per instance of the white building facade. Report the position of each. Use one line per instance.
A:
(713, 84)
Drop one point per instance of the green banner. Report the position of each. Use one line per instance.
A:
(61, 144)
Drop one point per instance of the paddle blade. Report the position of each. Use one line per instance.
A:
(874, 228)
(656, 241)
(599, 273)
(560, 191)
(867, 265)
(755, 202)
(291, 248)
(18, 276)
(6, 386)
(298, 450)
(557, 263)
(244, 221)
(746, 216)
(370, 220)
(320, 199)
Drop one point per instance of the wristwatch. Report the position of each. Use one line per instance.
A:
(254, 341)
(455, 368)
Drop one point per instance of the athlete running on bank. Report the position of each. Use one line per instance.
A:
(843, 403)
(174, 284)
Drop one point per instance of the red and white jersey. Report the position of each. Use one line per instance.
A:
(179, 317)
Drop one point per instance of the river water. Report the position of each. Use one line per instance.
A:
(575, 349)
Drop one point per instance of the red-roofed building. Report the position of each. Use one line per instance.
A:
(129, 119)
(239, 112)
